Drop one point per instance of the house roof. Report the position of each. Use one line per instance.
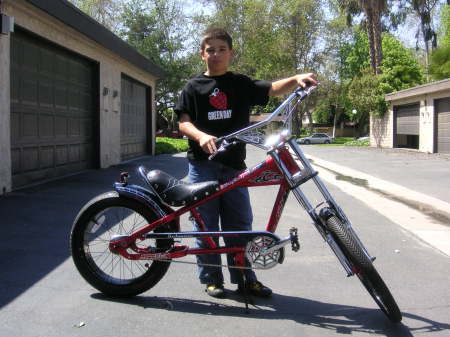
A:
(70, 15)
(419, 90)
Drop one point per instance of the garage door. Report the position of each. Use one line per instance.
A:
(53, 110)
(407, 121)
(134, 119)
(442, 108)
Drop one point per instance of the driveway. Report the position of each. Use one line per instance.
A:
(43, 295)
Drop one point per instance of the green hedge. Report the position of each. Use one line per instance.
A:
(364, 142)
(347, 141)
(170, 145)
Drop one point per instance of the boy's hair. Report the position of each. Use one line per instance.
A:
(216, 33)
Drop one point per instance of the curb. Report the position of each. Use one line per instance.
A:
(427, 217)
(412, 198)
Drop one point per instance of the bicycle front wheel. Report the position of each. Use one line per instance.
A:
(364, 269)
(105, 216)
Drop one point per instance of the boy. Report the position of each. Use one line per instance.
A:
(212, 105)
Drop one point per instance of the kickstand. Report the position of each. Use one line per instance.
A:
(239, 259)
(245, 291)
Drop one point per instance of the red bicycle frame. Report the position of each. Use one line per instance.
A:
(264, 174)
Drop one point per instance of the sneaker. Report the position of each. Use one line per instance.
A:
(256, 288)
(215, 290)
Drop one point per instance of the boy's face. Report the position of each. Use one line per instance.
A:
(217, 56)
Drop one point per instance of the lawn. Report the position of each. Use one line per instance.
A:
(175, 145)
(342, 140)
(170, 145)
(347, 141)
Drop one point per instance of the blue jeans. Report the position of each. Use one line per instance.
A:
(234, 211)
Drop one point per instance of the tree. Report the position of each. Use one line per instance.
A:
(158, 31)
(440, 63)
(440, 58)
(400, 69)
(364, 90)
(273, 38)
(354, 56)
(373, 10)
(106, 12)
(333, 104)
(366, 98)
(444, 38)
(423, 10)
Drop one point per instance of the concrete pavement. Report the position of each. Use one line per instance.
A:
(417, 183)
(312, 295)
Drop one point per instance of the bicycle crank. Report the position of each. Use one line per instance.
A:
(264, 252)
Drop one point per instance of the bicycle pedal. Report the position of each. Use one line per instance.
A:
(295, 244)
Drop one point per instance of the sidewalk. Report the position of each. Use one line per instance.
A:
(427, 174)
(411, 188)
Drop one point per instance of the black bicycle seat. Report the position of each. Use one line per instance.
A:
(176, 192)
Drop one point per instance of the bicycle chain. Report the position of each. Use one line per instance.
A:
(204, 264)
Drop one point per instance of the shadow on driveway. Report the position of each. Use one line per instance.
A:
(35, 222)
(342, 319)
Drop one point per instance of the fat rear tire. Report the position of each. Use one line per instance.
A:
(112, 274)
(364, 269)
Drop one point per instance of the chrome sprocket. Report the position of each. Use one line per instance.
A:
(256, 252)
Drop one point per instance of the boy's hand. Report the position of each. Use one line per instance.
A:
(285, 85)
(208, 143)
(306, 80)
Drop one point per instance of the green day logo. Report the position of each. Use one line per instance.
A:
(218, 99)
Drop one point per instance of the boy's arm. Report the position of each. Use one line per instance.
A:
(207, 142)
(285, 85)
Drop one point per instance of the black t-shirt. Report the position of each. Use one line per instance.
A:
(220, 105)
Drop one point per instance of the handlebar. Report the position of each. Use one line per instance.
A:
(245, 135)
(300, 94)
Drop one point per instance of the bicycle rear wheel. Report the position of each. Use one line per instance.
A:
(101, 219)
(364, 269)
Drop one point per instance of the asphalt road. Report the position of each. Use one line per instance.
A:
(42, 294)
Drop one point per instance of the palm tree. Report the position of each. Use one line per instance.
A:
(373, 10)
(424, 10)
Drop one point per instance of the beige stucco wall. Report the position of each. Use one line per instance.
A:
(381, 130)
(111, 68)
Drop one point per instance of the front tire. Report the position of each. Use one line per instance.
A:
(364, 269)
(107, 215)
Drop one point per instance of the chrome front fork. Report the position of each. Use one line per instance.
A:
(307, 173)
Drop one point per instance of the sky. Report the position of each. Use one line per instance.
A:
(405, 33)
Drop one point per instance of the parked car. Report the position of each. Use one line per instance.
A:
(316, 138)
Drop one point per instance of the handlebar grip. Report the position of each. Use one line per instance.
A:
(213, 155)
(223, 146)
